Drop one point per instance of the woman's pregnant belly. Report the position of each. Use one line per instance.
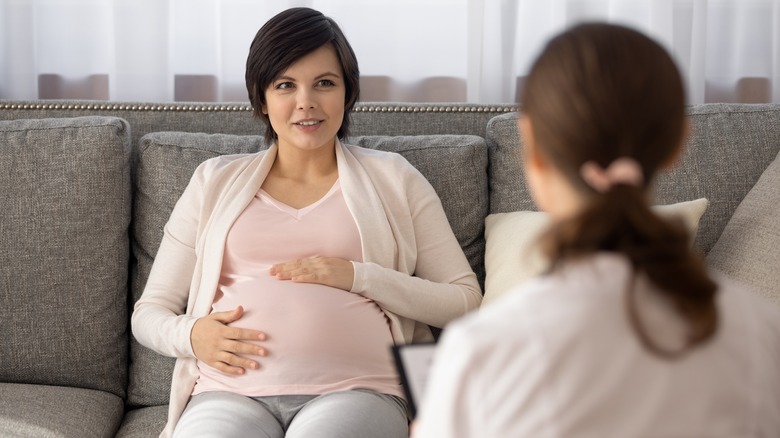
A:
(319, 339)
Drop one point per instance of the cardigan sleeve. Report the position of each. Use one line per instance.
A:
(442, 286)
(159, 321)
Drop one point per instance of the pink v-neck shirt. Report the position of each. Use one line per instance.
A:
(320, 338)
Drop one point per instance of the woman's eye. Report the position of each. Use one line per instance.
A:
(325, 83)
(284, 85)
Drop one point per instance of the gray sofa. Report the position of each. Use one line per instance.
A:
(86, 187)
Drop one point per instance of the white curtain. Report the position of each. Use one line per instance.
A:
(408, 50)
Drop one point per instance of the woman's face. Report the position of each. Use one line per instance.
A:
(305, 104)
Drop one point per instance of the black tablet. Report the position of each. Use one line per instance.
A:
(413, 362)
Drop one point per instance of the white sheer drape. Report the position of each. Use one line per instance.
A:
(728, 50)
(409, 50)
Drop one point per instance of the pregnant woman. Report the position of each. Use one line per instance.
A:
(284, 276)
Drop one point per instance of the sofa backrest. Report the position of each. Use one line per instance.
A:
(726, 152)
(236, 118)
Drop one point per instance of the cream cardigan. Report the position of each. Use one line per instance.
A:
(413, 266)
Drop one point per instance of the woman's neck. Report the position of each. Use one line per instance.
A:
(303, 165)
(299, 178)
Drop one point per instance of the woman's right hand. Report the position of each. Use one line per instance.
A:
(223, 347)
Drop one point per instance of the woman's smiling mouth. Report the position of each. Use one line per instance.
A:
(308, 122)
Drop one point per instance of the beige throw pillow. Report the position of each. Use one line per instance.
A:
(513, 256)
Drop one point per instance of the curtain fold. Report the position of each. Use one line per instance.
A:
(409, 50)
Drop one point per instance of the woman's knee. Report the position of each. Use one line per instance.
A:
(355, 413)
(225, 414)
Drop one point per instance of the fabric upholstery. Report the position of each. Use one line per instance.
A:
(508, 191)
(749, 248)
(65, 202)
(168, 159)
(143, 422)
(44, 411)
(712, 164)
(236, 118)
(460, 181)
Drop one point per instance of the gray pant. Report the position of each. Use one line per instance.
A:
(343, 414)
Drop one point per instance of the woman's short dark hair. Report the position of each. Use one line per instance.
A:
(286, 38)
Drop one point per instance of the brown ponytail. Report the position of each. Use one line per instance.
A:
(601, 92)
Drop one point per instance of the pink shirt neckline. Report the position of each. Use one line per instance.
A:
(298, 213)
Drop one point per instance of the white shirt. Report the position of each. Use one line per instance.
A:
(557, 357)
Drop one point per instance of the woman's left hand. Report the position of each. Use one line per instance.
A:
(330, 271)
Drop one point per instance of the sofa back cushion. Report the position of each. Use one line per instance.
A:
(456, 166)
(728, 149)
(65, 202)
(165, 163)
(749, 248)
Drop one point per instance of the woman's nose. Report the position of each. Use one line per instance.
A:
(306, 99)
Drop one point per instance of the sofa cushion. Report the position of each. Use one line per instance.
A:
(749, 248)
(513, 256)
(506, 176)
(58, 411)
(711, 166)
(143, 422)
(456, 167)
(65, 201)
(167, 160)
